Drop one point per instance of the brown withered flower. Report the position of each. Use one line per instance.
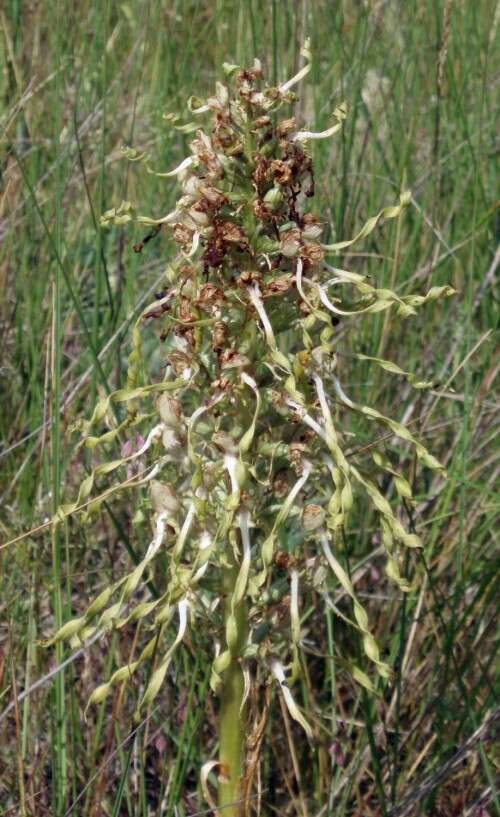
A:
(230, 232)
(262, 122)
(248, 277)
(312, 255)
(215, 198)
(262, 212)
(185, 312)
(298, 452)
(286, 126)
(221, 384)
(260, 172)
(281, 485)
(210, 295)
(233, 359)
(291, 242)
(282, 172)
(277, 286)
(186, 333)
(183, 235)
(204, 151)
(219, 336)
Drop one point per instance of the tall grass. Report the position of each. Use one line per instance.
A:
(79, 82)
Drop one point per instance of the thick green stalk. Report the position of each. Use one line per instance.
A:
(232, 714)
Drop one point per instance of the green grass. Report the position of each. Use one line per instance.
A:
(77, 83)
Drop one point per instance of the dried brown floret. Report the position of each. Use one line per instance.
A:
(183, 235)
(185, 332)
(185, 312)
(230, 232)
(214, 253)
(312, 255)
(283, 172)
(262, 122)
(210, 294)
(298, 452)
(286, 126)
(247, 76)
(222, 384)
(278, 286)
(301, 162)
(214, 198)
(260, 173)
(282, 611)
(309, 219)
(285, 561)
(261, 211)
(203, 150)
(219, 336)
(232, 359)
(248, 277)
(290, 244)
(281, 485)
(158, 312)
(180, 362)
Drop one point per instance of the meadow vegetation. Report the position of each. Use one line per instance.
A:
(420, 81)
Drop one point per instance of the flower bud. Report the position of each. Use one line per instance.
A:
(199, 217)
(290, 243)
(170, 411)
(225, 442)
(192, 186)
(163, 498)
(100, 694)
(230, 68)
(118, 215)
(210, 475)
(171, 442)
(313, 517)
(311, 232)
(67, 630)
(273, 198)
(222, 93)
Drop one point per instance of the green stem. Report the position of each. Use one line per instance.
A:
(232, 715)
